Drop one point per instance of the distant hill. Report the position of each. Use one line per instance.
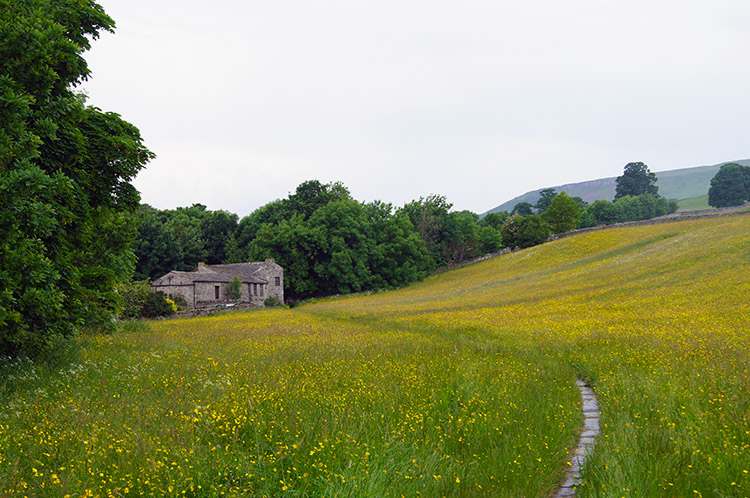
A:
(677, 184)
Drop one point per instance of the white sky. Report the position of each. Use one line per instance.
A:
(478, 100)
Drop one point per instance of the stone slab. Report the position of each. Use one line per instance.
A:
(590, 409)
(590, 433)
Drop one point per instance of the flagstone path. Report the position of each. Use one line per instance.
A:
(585, 442)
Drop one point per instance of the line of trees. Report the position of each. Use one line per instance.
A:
(327, 242)
(636, 198)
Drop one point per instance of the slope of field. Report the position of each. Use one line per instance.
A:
(677, 184)
(462, 385)
(698, 202)
(656, 317)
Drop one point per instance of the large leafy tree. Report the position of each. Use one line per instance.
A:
(428, 216)
(450, 236)
(562, 214)
(730, 186)
(545, 200)
(523, 209)
(525, 231)
(636, 179)
(344, 246)
(217, 228)
(65, 172)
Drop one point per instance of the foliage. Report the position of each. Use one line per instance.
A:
(180, 301)
(327, 242)
(562, 214)
(216, 229)
(523, 209)
(587, 219)
(545, 200)
(636, 180)
(490, 240)
(308, 196)
(139, 301)
(233, 252)
(65, 171)
(134, 294)
(171, 240)
(641, 207)
(272, 302)
(157, 248)
(427, 215)
(172, 304)
(157, 305)
(494, 220)
(234, 291)
(605, 212)
(730, 186)
(452, 236)
(344, 246)
(525, 231)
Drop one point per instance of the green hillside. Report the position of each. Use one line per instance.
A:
(677, 184)
(462, 385)
(697, 202)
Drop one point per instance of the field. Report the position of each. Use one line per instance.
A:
(462, 385)
(699, 202)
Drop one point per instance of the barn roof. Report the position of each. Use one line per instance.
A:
(216, 273)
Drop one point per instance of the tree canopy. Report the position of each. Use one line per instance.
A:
(65, 172)
(344, 246)
(523, 209)
(545, 200)
(525, 231)
(636, 180)
(562, 214)
(327, 242)
(730, 186)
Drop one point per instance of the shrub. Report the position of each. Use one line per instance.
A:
(272, 301)
(235, 289)
(134, 295)
(180, 301)
(157, 305)
(171, 305)
(525, 231)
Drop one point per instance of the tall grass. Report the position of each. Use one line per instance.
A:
(657, 318)
(462, 385)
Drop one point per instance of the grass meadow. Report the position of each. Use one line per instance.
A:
(699, 202)
(460, 386)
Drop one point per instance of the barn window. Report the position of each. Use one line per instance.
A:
(255, 289)
(261, 290)
(277, 281)
(216, 291)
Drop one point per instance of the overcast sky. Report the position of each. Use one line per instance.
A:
(477, 100)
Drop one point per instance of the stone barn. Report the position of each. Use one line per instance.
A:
(209, 284)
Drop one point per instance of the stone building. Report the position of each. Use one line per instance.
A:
(209, 284)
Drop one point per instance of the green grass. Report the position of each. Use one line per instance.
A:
(700, 202)
(462, 385)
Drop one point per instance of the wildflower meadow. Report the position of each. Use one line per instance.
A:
(460, 386)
